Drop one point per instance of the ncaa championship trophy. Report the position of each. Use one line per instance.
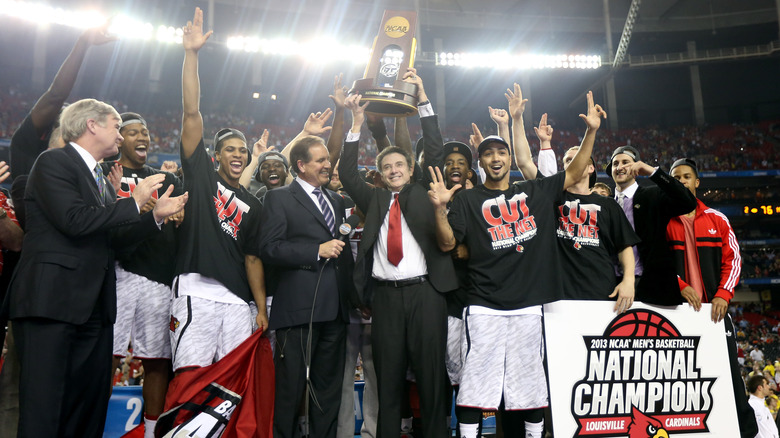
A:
(391, 54)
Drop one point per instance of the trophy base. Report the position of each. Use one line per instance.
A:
(398, 101)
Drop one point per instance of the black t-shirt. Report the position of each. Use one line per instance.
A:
(221, 226)
(154, 257)
(592, 229)
(513, 261)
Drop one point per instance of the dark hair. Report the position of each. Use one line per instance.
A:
(301, 150)
(392, 150)
(754, 382)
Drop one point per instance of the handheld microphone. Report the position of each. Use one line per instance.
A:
(348, 226)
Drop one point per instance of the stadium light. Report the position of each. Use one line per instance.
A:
(319, 50)
(504, 60)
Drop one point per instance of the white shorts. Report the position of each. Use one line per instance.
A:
(503, 357)
(203, 331)
(455, 346)
(143, 313)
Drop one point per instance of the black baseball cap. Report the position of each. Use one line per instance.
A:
(456, 147)
(488, 141)
(685, 162)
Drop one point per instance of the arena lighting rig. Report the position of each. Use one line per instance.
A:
(317, 51)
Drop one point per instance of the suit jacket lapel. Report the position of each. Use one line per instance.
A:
(85, 172)
(303, 198)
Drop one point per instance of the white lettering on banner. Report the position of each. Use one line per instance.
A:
(638, 370)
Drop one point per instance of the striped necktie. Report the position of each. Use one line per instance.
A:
(101, 183)
(325, 210)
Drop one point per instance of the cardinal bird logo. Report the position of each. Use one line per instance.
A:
(643, 426)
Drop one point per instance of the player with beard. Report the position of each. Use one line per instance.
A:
(513, 265)
(218, 268)
(143, 276)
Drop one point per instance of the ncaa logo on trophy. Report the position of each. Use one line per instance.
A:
(392, 53)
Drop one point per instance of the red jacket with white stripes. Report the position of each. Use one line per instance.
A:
(717, 251)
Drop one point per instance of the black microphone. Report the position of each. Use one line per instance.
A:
(346, 228)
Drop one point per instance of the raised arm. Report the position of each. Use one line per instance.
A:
(522, 149)
(376, 125)
(548, 165)
(46, 110)
(336, 138)
(402, 138)
(582, 158)
(257, 150)
(433, 143)
(358, 189)
(501, 117)
(439, 196)
(192, 121)
(315, 125)
(48, 106)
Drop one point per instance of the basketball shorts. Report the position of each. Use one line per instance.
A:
(203, 331)
(143, 309)
(455, 347)
(503, 356)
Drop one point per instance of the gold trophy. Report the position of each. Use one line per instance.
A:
(391, 54)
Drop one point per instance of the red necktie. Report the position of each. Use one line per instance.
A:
(395, 246)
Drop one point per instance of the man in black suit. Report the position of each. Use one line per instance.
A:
(63, 295)
(649, 210)
(403, 288)
(309, 274)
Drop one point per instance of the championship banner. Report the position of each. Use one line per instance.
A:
(648, 373)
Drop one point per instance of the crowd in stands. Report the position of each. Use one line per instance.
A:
(759, 263)
(715, 148)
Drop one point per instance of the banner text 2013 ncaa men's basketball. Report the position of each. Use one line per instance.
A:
(639, 374)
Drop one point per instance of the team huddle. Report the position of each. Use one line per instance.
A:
(444, 280)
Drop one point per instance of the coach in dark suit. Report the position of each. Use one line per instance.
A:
(649, 210)
(299, 223)
(62, 297)
(405, 293)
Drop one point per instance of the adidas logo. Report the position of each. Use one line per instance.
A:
(712, 231)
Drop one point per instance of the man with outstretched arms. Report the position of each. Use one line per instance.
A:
(400, 271)
(144, 273)
(63, 295)
(591, 229)
(513, 263)
(219, 272)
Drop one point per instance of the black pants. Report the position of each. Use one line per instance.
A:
(65, 377)
(745, 415)
(410, 328)
(327, 373)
